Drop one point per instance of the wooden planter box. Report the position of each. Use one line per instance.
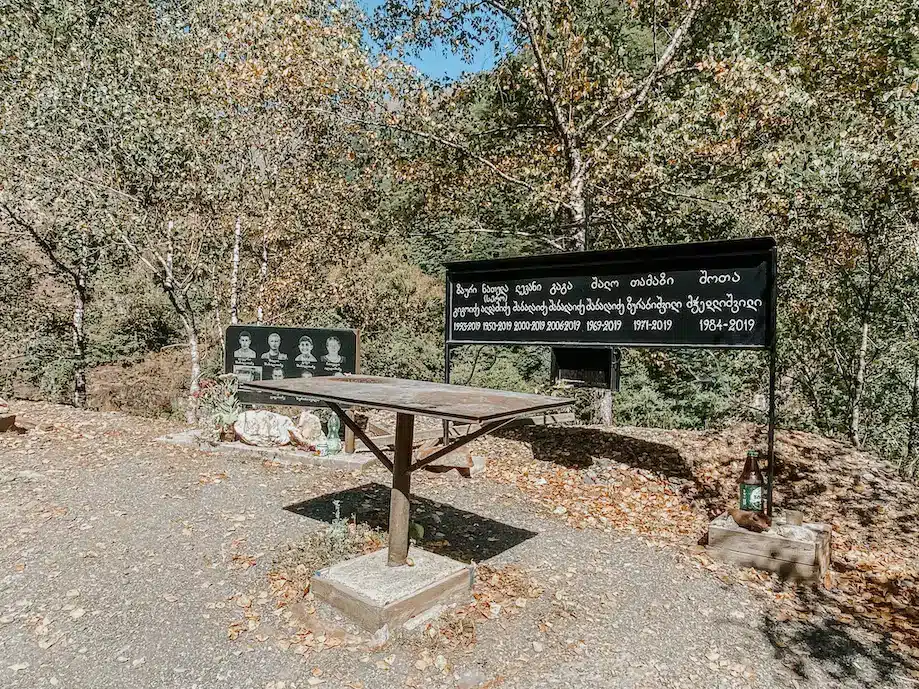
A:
(795, 553)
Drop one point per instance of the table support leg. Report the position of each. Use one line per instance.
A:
(399, 508)
(349, 435)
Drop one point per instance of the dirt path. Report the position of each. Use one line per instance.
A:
(124, 562)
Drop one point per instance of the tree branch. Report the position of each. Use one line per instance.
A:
(43, 244)
(665, 59)
(626, 96)
(512, 128)
(516, 233)
(438, 139)
(547, 82)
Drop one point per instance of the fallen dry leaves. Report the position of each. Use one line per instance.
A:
(666, 485)
(495, 592)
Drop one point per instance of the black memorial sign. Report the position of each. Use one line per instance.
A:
(709, 294)
(257, 352)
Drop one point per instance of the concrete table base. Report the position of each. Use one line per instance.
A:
(373, 594)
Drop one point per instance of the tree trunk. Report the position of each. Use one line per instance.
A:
(601, 401)
(234, 275)
(577, 199)
(912, 443)
(194, 385)
(263, 277)
(854, 419)
(191, 333)
(79, 331)
(79, 348)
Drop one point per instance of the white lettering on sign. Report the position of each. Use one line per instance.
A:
(729, 303)
(529, 326)
(706, 279)
(563, 326)
(600, 283)
(560, 288)
(523, 307)
(497, 309)
(655, 306)
(528, 288)
(652, 304)
(497, 290)
(652, 280)
(603, 326)
(559, 306)
(463, 311)
(652, 325)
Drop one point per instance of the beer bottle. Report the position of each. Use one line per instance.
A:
(751, 484)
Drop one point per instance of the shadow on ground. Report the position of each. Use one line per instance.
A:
(448, 531)
(837, 650)
(587, 448)
(581, 448)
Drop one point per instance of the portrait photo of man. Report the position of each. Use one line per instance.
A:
(274, 355)
(244, 351)
(306, 350)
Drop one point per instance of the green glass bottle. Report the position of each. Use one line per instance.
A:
(751, 484)
(334, 442)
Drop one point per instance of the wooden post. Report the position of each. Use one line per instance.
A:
(349, 434)
(399, 506)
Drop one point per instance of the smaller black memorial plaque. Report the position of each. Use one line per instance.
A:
(258, 352)
(593, 368)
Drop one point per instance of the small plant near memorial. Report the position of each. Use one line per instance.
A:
(343, 539)
(218, 406)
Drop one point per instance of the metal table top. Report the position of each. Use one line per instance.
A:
(421, 398)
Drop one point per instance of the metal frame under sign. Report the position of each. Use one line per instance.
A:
(712, 295)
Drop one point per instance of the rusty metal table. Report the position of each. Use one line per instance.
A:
(410, 398)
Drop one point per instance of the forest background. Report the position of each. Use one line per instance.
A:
(171, 166)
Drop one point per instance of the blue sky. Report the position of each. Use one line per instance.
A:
(436, 62)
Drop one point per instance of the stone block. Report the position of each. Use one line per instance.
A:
(373, 594)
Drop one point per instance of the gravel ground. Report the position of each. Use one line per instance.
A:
(122, 562)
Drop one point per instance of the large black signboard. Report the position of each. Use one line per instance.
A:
(257, 352)
(709, 294)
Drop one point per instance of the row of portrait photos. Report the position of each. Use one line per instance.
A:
(273, 364)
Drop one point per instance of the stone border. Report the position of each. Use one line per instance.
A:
(342, 461)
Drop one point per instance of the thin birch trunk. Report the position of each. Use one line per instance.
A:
(263, 277)
(855, 418)
(184, 311)
(192, 332)
(912, 443)
(79, 349)
(79, 331)
(234, 274)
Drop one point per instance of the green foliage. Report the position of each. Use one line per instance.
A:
(689, 389)
(218, 405)
(503, 368)
(46, 365)
(131, 318)
(135, 136)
